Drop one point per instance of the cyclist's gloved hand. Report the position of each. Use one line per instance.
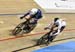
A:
(46, 28)
(21, 17)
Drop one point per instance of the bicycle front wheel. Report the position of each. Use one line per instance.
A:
(43, 39)
(18, 29)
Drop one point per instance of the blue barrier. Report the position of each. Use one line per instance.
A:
(64, 47)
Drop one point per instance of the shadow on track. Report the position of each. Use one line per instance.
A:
(38, 45)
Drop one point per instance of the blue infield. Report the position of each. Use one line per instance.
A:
(64, 47)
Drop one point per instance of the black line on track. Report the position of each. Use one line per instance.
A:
(39, 45)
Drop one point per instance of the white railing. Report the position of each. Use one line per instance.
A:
(56, 6)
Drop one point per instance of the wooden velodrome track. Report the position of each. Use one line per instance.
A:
(10, 21)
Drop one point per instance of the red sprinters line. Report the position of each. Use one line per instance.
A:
(29, 35)
(21, 36)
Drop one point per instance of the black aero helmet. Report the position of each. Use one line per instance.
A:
(55, 19)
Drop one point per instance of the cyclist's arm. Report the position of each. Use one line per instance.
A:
(25, 15)
(50, 25)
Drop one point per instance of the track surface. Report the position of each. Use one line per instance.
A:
(28, 42)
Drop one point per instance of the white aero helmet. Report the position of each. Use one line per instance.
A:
(33, 11)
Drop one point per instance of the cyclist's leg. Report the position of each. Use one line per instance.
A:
(33, 21)
(51, 37)
(27, 27)
(48, 38)
(62, 28)
(54, 36)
